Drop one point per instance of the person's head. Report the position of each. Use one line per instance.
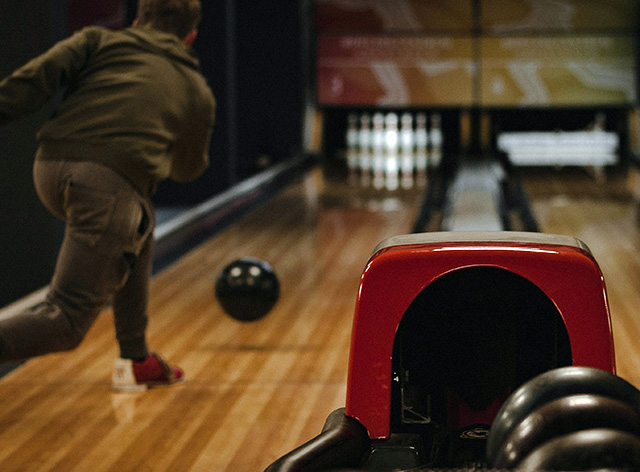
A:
(178, 17)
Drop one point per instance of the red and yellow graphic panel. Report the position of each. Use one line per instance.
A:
(476, 52)
(392, 70)
(393, 16)
(567, 70)
(534, 16)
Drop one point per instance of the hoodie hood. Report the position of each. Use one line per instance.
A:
(164, 43)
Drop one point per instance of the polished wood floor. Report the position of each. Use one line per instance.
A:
(255, 391)
(604, 214)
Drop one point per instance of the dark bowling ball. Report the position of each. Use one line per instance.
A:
(247, 289)
(593, 449)
(563, 416)
(550, 386)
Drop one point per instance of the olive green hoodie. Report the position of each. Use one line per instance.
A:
(135, 101)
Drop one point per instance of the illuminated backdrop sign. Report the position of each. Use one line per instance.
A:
(514, 53)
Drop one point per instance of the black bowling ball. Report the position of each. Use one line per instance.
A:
(550, 386)
(592, 449)
(247, 289)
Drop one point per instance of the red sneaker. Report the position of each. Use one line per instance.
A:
(132, 376)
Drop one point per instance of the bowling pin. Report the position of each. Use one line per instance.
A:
(352, 131)
(377, 133)
(352, 146)
(392, 165)
(391, 133)
(406, 150)
(406, 134)
(435, 138)
(422, 142)
(378, 150)
(364, 143)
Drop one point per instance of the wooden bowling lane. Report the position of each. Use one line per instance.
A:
(254, 391)
(603, 214)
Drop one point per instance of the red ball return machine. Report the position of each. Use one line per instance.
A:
(447, 326)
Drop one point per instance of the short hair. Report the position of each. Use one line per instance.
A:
(178, 17)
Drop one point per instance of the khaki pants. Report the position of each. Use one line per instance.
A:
(105, 257)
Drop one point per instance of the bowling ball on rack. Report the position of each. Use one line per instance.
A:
(593, 449)
(550, 386)
(566, 415)
(247, 289)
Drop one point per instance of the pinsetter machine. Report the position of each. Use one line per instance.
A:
(458, 339)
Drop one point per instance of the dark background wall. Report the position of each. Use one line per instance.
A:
(29, 236)
(253, 57)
